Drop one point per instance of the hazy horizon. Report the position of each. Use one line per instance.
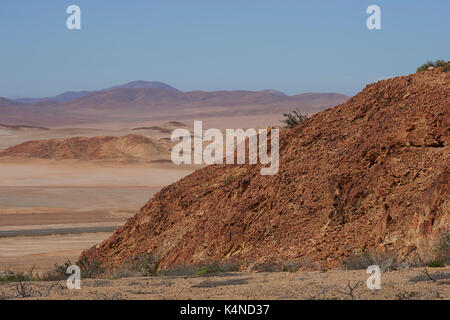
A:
(292, 46)
(140, 80)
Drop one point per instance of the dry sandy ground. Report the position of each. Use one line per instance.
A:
(51, 211)
(43, 252)
(397, 285)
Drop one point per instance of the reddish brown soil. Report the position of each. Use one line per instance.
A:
(371, 173)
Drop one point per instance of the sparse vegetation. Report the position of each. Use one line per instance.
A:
(441, 254)
(435, 277)
(389, 261)
(290, 266)
(407, 295)
(328, 292)
(180, 270)
(436, 263)
(143, 265)
(446, 67)
(350, 290)
(28, 289)
(214, 284)
(105, 296)
(9, 276)
(90, 269)
(59, 273)
(443, 249)
(293, 119)
(437, 64)
(286, 266)
(386, 261)
(207, 269)
(268, 267)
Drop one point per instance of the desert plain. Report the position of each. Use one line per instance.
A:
(51, 210)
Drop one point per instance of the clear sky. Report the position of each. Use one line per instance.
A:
(290, 45)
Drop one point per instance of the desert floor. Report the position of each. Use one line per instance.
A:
(398, 285)
(51, 211)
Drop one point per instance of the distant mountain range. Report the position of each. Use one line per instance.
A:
(142, 101)
(72, 95)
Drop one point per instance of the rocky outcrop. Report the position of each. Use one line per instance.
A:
(371, 173)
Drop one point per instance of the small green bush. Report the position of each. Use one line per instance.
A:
(180, 270)
(386, 260)
(143, 265)
(205, 269)
(16, 277)
(436, 264)
(293, 119)
(446, 67)
(443, 249)
(10, 276)
(59, 273)
(425, 66)
(437, 64)
(290, 266)
(90, 269)
(209, 269)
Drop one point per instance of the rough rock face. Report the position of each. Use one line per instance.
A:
(128, 148)
(371, 173)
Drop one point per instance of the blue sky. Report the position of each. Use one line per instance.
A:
(289, 45)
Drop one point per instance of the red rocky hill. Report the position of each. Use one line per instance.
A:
(371, 173)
